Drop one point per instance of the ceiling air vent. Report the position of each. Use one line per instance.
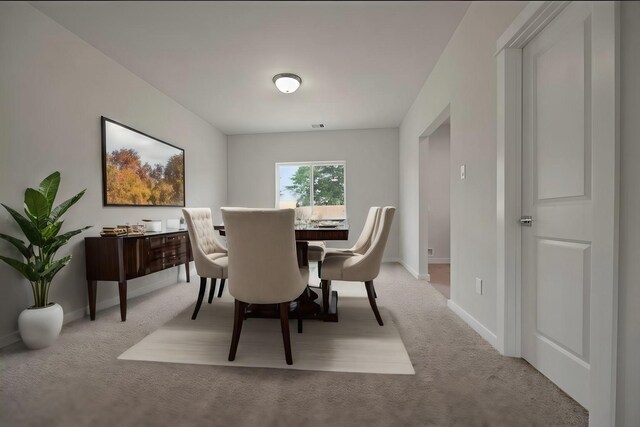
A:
(318, 126)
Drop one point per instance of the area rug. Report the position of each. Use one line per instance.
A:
(354, 344)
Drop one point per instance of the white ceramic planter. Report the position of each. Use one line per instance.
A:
(40, 327)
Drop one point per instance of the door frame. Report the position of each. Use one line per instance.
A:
(605, 131)
(423, 217)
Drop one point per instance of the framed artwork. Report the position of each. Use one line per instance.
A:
(140, 170)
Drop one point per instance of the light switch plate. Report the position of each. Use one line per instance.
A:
(463, 172)
(478, 286)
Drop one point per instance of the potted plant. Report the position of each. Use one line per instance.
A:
(41, 323)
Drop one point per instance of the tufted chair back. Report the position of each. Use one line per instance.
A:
(202, 235)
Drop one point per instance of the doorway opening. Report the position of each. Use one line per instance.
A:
(435, 210)
(438, 208)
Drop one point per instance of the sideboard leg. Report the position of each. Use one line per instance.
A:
(92, 286)
(122, 288)
(186, 269)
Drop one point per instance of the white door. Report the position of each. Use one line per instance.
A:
(564, 181)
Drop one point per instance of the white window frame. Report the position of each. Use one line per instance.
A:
(342, 163)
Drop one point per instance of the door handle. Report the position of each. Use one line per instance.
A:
(526, 220)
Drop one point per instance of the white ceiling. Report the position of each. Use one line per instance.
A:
(362, 63)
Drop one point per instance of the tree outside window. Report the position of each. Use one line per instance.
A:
(316, 190)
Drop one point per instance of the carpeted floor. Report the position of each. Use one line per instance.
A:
(460, 379)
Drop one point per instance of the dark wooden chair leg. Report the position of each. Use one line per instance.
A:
(284, 324)
(221, 290)
(203, 287)
(375, 294)
(372, 300)
(319, 268)
(122, 290)
(299, 314)
(326, 290)
(238, 317)
(212, 289)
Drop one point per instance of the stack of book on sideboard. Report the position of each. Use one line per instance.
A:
(113, 231)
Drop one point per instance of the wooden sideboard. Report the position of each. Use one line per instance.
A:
(127, 257)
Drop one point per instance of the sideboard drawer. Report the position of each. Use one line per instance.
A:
(155, 242)
(178, 239)
(167, 251)
(172, 261)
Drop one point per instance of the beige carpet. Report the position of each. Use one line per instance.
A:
(355, 344)
(460, 379)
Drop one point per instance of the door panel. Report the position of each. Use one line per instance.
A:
(563, 275)
(557, 250)
(560, 92)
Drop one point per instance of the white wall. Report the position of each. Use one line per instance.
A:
(628, 386)
(465, 78)
(438, 180)
(371, 170)
(53, 89)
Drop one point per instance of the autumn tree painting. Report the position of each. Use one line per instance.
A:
(141, 172)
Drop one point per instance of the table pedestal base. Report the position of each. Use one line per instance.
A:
(309, 309)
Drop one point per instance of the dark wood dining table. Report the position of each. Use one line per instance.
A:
(309, 232)
(309, 309)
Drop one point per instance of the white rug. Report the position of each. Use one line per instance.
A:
(355, 344)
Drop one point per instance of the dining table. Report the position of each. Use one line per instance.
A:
(306, 305)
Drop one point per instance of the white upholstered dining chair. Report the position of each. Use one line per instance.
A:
(365, 238)
(360, 267)
(209, 254)
(263, 265)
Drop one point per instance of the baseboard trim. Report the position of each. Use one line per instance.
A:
(392, 260)
(414, 273)
(136, 292)
(74, 315)
(409, 269)
(439, 260)
(9, 339)
(485, 333)
(14, 337)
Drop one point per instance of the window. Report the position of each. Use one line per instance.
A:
(315, 189)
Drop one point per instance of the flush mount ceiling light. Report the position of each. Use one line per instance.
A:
(287, 82)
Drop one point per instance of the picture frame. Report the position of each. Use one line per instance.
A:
(139, 169)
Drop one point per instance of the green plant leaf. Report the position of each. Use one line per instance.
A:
(39, 265)
(30, 231)
(59, 241)
(51, 230)
(24, 250)
(54, 267)
(49, 187)
(69, 234)
(37, 207)
(25, 269)
(62, 207)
